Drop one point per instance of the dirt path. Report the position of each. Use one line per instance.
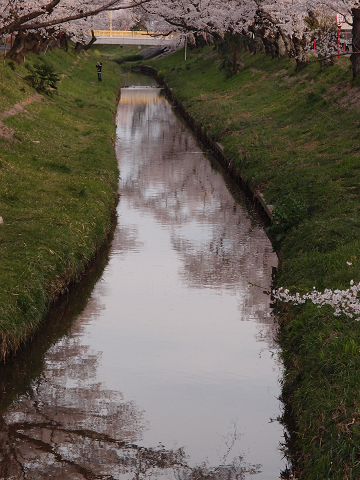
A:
(7, 132)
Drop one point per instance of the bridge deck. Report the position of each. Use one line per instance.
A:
(126, 37)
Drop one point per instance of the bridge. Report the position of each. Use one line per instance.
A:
(126, 37)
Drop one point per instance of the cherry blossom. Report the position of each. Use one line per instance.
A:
(343, 301)
(24, 15)
(206, 17)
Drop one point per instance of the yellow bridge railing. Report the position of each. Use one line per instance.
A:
(129, 33)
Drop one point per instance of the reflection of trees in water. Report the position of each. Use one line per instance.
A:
(237, 470)
(49, 449)
(126, 239)
(86, 433)
(67, 423)
(70, 426)
(219, 244)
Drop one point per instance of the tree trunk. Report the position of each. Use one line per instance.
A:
(281, 46)
(300, 53)
(300, 65)
(234, 61)
(355, 57)
(64, 41)
(327, 62)
(26, 42)
(80, 46)
(200, 40)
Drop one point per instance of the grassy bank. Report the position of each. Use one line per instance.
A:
(58, 183)
(295, 136)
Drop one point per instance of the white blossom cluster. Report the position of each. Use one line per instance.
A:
(203, 16)
(343, 301)
(65, 15)
(283, 25)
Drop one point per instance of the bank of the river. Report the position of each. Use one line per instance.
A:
(295, 137)
(58, 183)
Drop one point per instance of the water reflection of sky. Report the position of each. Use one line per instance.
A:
(174, 346)
(197, 365)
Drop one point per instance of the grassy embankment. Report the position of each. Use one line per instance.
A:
(58, 184)
(296, 137)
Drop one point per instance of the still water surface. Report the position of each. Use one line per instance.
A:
(171, 362)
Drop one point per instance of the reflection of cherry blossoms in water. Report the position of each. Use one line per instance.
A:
(86, 432)
(70, 426)
(35, 443)
(67, 423)
(161, 374)
(220, 245)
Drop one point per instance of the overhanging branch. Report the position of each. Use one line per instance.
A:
(22, 23)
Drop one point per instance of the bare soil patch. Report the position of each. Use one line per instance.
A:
(7, 132)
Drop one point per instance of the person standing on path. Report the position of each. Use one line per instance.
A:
(99, 67)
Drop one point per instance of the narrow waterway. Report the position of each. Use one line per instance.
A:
(167, 366)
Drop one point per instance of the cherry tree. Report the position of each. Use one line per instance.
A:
(350, 9)
(288, 27)
(293, 18)
(35, 21)
(22, 15)
(285, 27)
(200, 18)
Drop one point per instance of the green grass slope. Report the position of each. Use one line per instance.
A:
(296, 137)
(58, 184)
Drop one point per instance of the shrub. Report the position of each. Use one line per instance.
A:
(287, 214)
(42, 76)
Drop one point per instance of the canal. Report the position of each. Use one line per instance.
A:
(163, 364)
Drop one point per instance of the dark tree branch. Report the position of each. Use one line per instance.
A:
(28, 17)
(21, 24)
